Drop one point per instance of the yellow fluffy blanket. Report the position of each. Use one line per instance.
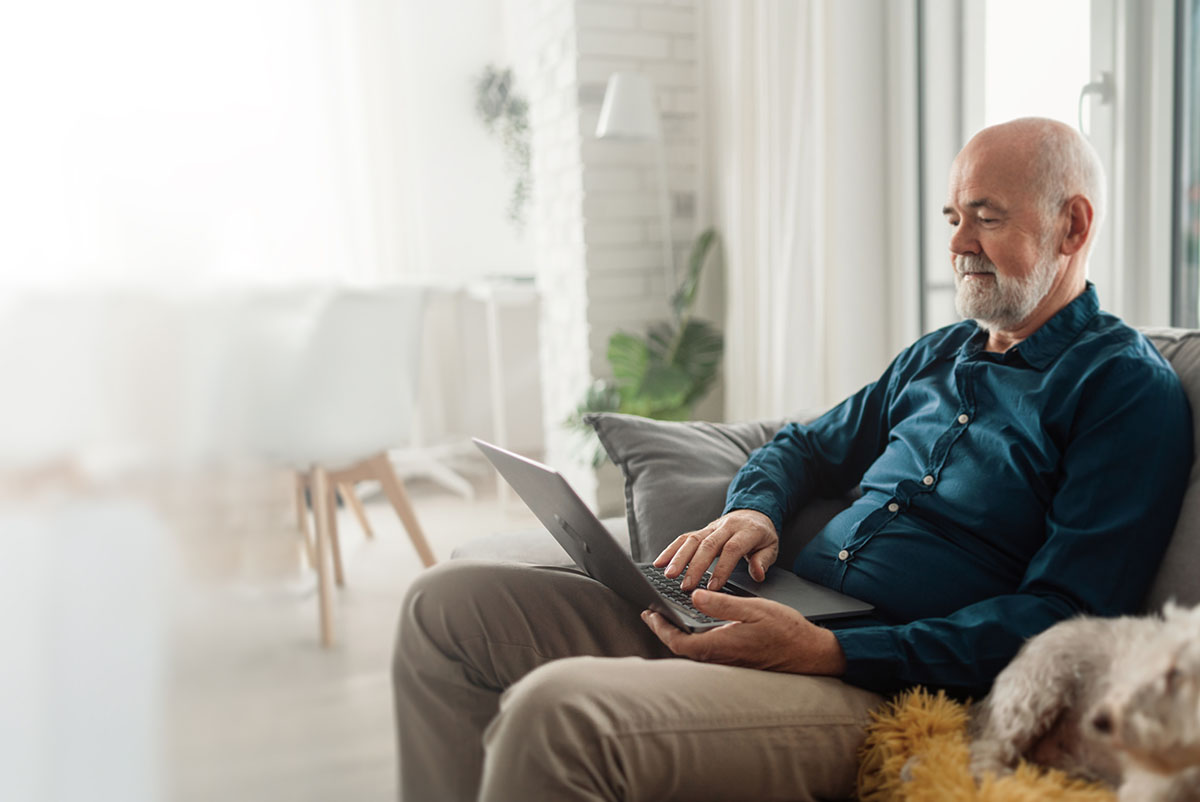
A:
(934, 730)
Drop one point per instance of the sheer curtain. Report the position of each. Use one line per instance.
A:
(799, 158)
(169, 144)
(769, 71)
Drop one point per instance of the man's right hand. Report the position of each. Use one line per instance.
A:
(737, 534)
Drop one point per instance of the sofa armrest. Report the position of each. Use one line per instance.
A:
(531, 546)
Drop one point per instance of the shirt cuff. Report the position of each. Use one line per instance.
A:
(873, 659)
(758, 504)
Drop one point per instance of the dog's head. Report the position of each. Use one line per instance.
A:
(1151, 711)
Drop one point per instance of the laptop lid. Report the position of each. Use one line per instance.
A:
(556, 504)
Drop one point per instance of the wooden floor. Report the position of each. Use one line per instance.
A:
(258, 711)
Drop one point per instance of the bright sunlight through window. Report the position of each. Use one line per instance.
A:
(1036, 58)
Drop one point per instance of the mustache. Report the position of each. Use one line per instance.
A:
(971, 263)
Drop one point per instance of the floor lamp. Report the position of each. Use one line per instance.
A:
(629, 113)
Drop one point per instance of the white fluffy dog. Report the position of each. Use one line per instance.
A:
(1116, 700)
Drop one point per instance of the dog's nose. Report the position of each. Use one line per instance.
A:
(1102, 722)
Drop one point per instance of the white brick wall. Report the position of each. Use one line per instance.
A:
(596, 204)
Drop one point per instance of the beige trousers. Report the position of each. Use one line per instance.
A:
(526, 683)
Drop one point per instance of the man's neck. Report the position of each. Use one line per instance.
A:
(1070, 286)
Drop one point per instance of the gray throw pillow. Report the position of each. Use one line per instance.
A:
(676, 475)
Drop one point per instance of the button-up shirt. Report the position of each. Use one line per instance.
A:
(1001, 493)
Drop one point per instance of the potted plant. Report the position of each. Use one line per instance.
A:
(664, 373)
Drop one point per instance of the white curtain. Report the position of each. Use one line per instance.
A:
(796, 96)
(768, 66)
(180, 144)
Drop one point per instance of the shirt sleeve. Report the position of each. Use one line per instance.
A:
(1124, 473)
(824, 458)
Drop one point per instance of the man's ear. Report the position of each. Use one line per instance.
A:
(1079, 224)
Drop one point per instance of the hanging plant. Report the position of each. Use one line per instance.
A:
(506, 114)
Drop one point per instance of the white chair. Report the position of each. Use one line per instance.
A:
(320, 380)
(329, 379)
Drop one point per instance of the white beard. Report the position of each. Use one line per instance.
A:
(1001, 303)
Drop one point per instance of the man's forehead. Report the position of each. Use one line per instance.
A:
(991, 171)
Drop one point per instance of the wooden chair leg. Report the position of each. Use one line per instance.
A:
(393, 488)
(351, 500)
(321, 497)
(335, 541)
(302, 519)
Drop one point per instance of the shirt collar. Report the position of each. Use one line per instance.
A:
(1047, 343)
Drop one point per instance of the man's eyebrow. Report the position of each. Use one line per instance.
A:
(977, 203)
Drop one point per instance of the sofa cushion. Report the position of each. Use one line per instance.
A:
(676, 475)
(1176, 577)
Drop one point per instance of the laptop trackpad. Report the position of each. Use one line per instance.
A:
(815, 601)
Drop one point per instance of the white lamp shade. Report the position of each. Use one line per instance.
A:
(629, 111)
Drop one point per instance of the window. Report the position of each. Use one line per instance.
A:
(1033, 70)
(985, 62)
(1186, 234)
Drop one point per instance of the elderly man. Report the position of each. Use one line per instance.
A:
(1017, 468)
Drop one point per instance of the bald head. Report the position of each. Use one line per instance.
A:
(1051, 158)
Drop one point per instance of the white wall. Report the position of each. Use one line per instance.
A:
(463, 181)
(599, 243)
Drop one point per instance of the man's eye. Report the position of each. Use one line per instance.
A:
(953, 223)
(989, 220)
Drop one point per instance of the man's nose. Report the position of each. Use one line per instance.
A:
(963, 241)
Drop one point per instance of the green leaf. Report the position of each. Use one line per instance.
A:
(699, 354)
(680, 413)
(660, 340)
(685, 296)
(663, 388)
(629, 358)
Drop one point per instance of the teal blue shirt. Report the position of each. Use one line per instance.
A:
(1001, 493)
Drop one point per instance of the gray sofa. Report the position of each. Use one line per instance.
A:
(676, 475)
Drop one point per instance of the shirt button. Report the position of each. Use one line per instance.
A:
(893, 507)
(928, 480)
(843, 555)
(963, 418)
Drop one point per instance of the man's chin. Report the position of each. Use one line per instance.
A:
(981, 310)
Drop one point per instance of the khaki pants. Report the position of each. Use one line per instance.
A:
(525, 683)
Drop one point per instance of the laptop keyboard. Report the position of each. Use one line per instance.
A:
(670, 589)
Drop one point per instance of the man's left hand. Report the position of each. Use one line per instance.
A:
(760, 634)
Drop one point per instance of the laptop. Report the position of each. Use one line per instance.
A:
(597, 553)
